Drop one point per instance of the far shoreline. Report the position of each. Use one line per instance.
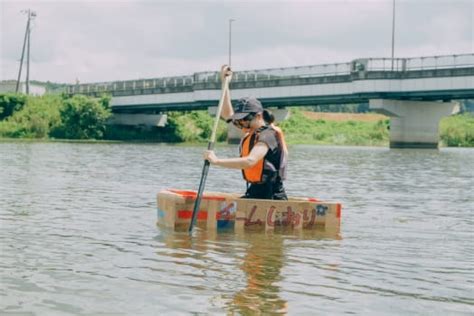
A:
(4, 140)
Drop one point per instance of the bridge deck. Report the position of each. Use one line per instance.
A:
(382, 77)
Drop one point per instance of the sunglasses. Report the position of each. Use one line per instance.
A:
(239, 122)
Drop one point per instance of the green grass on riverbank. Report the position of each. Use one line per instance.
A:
(300, 129)
(457, 130)
(53, 116)
(83, 118)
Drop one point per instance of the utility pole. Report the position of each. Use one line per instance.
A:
(26, 42)
(230, 40)
(28, 62)
(393, 32)
(23, 53)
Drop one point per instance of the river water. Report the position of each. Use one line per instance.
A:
(78, 234)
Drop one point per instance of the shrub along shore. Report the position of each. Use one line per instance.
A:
(84, 118)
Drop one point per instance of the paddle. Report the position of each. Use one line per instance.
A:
(210, 146)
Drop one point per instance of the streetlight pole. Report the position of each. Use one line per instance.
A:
(230, 40)
(393, 32)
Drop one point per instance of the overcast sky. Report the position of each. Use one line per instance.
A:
(118, 40)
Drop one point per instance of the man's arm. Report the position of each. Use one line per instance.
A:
(227, 110)
(257, 153)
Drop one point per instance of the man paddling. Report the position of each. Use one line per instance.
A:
(263, 151)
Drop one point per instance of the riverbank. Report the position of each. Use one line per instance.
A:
(367, 129)
(305, 127)
(64, 118)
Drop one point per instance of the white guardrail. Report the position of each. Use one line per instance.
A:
(325, 70)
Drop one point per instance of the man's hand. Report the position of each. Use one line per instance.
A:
(211, 156)
(226, 72)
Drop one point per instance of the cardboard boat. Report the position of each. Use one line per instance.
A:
(230, 212)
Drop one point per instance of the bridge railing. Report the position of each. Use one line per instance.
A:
(418, 63)
(295, 72)
(364, 64)
(381, 64)
(165, 82)
(279, 73)
(441, 62)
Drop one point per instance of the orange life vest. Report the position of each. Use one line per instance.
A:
(255, 174)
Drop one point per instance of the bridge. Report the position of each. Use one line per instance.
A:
(414, 92)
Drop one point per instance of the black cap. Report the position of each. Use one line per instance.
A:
(245, 106)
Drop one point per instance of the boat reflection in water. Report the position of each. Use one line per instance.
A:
(241, 273)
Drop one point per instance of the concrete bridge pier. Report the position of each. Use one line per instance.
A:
(150, 120)
(414, 124)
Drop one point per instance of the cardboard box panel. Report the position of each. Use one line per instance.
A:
(220, 211)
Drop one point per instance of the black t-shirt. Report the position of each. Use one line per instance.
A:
(268, 136)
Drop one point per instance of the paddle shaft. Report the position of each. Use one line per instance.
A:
(210, 146)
